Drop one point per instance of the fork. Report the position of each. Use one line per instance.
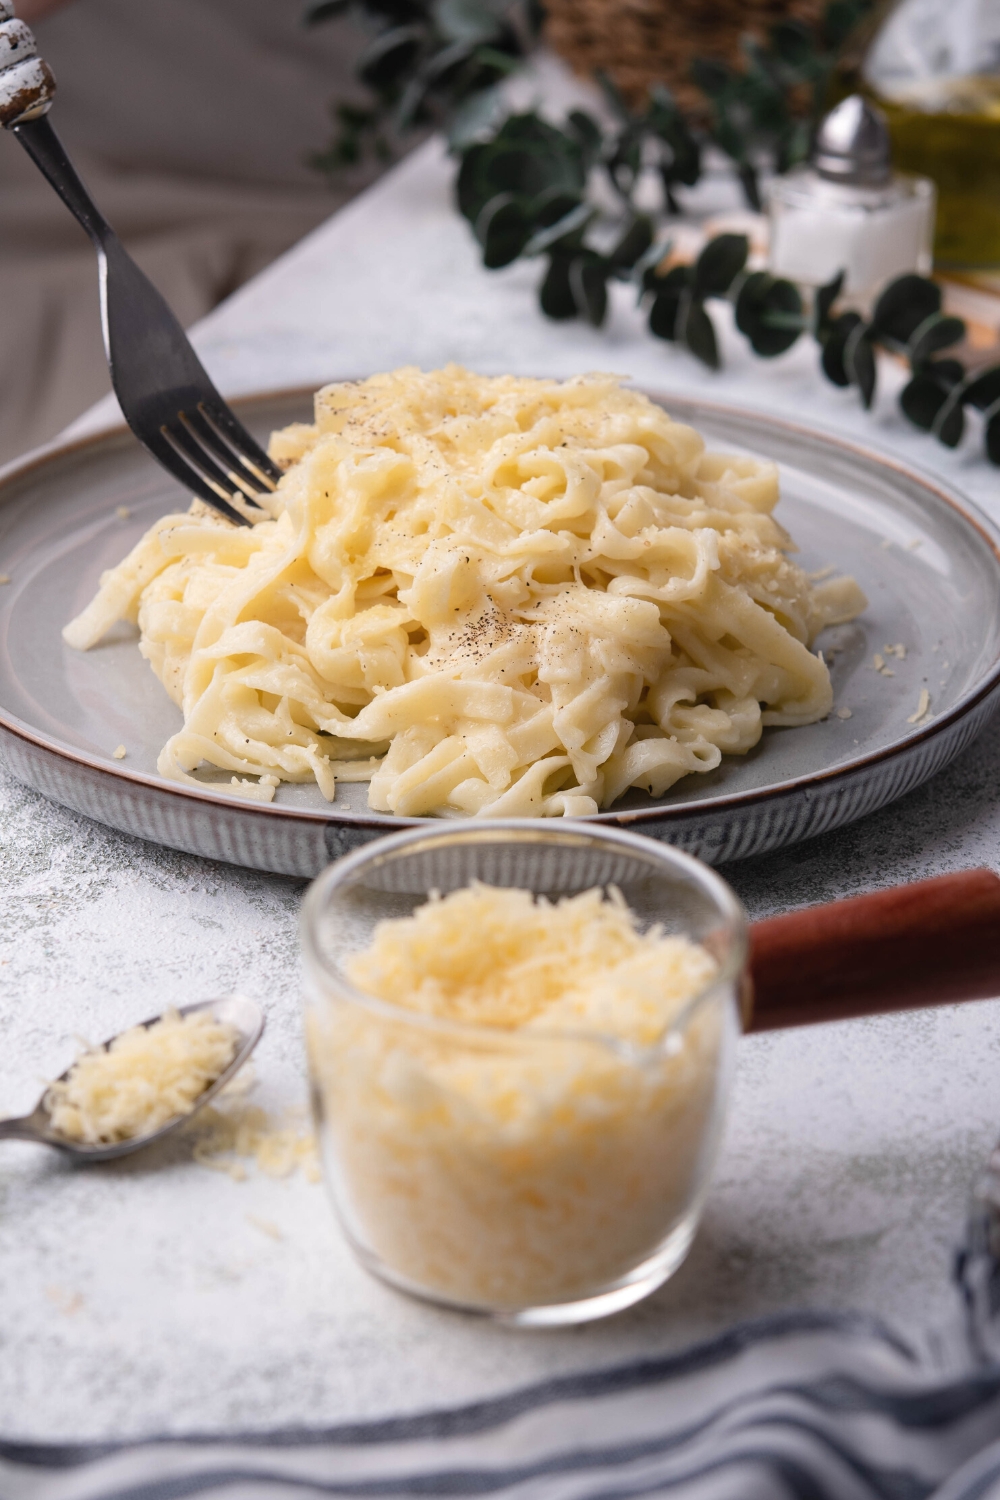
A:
(164, 392)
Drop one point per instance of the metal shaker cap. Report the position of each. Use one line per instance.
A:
(852, 144)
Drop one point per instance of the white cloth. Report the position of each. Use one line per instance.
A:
(796, 1407)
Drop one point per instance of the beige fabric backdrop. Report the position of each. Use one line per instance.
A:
(190, 121)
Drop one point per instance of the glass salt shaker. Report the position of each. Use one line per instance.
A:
(848, 211)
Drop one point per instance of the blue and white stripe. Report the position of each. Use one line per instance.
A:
(805, 1406)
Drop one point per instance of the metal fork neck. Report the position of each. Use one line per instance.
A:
(46, 150)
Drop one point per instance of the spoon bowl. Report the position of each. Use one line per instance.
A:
(247, 1019)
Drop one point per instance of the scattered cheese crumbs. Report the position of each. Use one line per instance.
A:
(823, 573)
(261, 790)
(123, 513)
(923, 705)
(548, 1158)
(120, 753)
(237, 1132)
(66, 1301)
(266, 1226)
(844, 713)
(148, 1075)
(899, 652)
(879, 662)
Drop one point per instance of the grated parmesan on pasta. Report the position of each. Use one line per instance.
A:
(485, 597)
(558, 1146)
(148, 1076)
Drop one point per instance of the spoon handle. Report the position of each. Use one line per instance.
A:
(20, 1128)
(931, 943)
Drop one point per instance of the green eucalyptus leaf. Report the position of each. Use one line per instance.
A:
(431, 74)
(752, 291)
(903, 306)
(983, 389)
(921, 400)
(644, 270)
(859, 362)
(503, 229)
(832, 361)
(934, 333)
(472, 192)
(674, 281)
(769, 312)
(947, 372)
(556, 294)
(613, 95)
(823, 302)
(389, 56)
(589, 284)
(355, 115)
(625, 162)
(465, 20)
(750, 184)
(475, 115)
(324, 10)
(719, 264)
(633, 243)
(588, 133)
(712, 77)
(992, 438)
(663, 313)
(839, 20)
(499, 58)
(793, 44)
(949, 424)
(552, 205)
(696, 331)
(565, 228)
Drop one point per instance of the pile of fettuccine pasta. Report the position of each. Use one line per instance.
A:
(493, 597)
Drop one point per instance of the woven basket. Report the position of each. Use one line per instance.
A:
(641, 42)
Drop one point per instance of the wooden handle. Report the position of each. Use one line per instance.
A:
(931, 943)
(26, 82)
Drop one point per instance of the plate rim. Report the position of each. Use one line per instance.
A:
(966, 508)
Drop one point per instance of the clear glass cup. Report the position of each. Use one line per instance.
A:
(534, 1177)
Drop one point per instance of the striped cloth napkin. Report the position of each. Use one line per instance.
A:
(803, 1406)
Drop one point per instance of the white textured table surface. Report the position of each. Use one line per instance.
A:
(144, 1296)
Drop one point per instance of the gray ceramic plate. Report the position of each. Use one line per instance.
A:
(928, 561)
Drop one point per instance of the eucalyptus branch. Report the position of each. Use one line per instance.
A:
(528, 190)
(444, 62)
(429, 62)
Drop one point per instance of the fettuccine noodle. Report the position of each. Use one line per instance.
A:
(488, 597)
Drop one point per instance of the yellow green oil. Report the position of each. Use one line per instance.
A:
(953, 137)
(960, 151)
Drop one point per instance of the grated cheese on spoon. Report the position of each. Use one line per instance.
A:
(147, 1076)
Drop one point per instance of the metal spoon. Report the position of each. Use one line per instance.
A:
(244, 1015)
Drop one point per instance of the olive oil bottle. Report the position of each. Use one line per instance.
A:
(933, 67)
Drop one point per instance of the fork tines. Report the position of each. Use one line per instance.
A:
(212, 453)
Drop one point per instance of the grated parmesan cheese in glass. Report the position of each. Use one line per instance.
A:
(148, 1076)
(550, 1140)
